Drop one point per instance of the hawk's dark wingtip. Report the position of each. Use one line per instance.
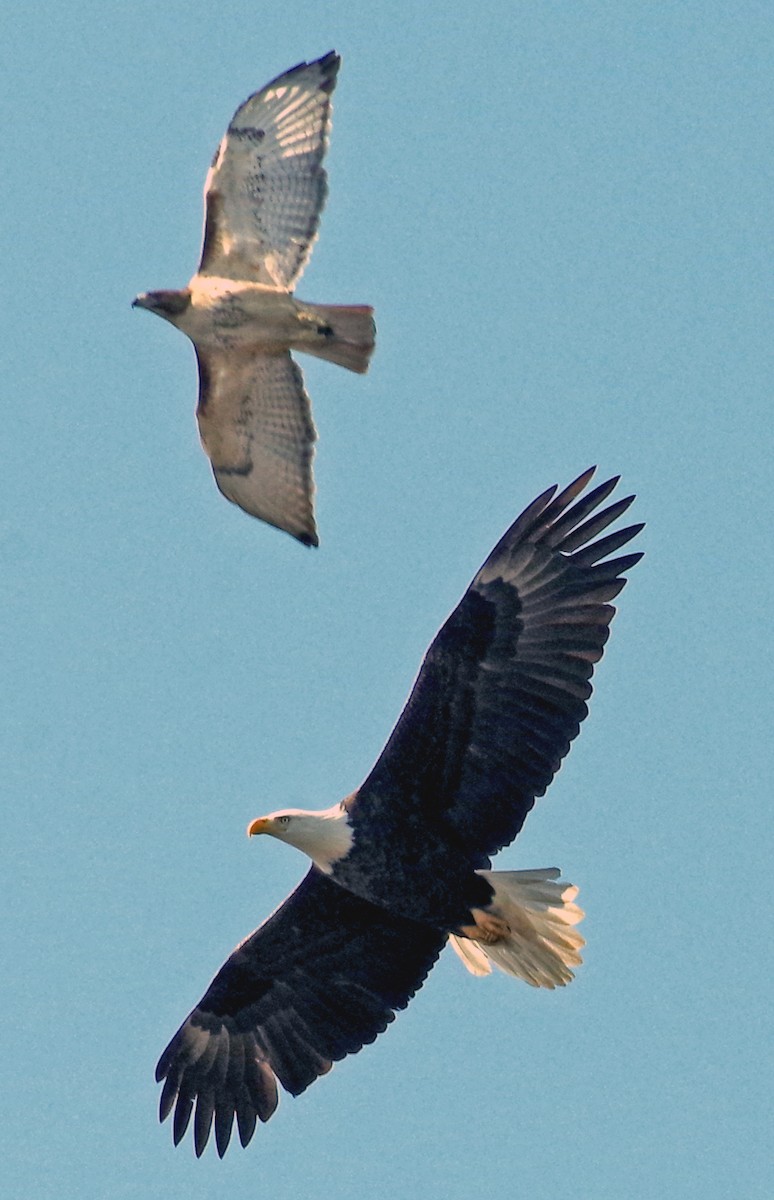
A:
(329, 68)
(329, 65)
(330, 62)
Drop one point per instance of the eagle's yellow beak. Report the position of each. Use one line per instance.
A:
(259, 825)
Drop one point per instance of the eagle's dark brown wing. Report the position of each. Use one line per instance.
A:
(503, 688)
(320, 978)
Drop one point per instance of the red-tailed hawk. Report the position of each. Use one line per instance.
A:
(403, 864)
(263, 197)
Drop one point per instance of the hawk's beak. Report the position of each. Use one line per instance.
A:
(259, 825)
(140, 301)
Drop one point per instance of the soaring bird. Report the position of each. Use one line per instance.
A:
(404, 863)
(263, 197)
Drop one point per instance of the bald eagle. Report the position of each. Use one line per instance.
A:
(403, 864)
(263, 197)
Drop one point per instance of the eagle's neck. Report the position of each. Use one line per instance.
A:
(325, 835)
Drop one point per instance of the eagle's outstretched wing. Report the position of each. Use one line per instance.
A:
(503, 688)
(266, 187)
(255, 423)
(320, 978)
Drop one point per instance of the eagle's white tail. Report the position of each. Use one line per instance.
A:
(542, 944)
(351, 342)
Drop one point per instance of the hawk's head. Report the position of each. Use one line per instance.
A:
(167, 304)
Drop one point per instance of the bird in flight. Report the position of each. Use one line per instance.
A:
(263, 197)
(404, 863)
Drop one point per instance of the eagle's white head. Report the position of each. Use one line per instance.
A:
(325, 836)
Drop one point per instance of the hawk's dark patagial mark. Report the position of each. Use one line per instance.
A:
(263, 198)
(403, 864)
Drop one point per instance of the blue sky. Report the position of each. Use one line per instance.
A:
(562, 214)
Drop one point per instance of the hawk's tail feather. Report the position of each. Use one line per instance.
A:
(351, 337)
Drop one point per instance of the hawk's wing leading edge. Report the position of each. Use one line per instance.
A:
(266, 188)
(255, 423)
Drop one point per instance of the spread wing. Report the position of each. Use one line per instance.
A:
(320, 978)
(266, 187)
(255, 423)
(503, 688)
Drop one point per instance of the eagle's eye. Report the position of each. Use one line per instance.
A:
(283, 820)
